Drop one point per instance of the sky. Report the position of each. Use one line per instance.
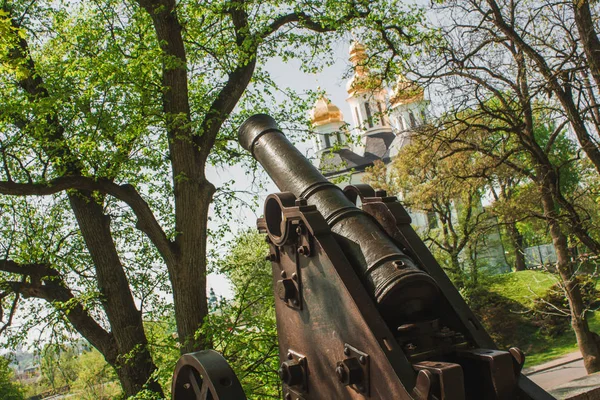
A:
(331, 80)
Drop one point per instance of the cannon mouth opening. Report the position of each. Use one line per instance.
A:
(274, 217)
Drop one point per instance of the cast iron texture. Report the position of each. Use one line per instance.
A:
(401, 290)
(205, 375)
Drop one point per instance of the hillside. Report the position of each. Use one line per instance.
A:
(519, 291)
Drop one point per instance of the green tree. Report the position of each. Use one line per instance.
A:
(437, 182)
(95, 378)
(113, 111)
(9, 389)
(501, 114)
(243, 328)
(58, 364)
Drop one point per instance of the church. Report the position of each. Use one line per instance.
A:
(382, 122)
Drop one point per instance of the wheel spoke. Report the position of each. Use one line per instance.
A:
(197, 386)
(205, 393)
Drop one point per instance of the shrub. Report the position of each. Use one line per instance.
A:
(504, 319)
(551, 311)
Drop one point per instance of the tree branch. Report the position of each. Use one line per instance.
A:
(147, 223)
(46, 283)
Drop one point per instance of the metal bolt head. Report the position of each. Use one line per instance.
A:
(341, 373)
(301, 201)
(351, 372)
(291, 373)
(295, 302)
(399, 264)
(295, 276)
(288, 396)
(346, 351)
(303, 250)
(187, 385)
(290, 355)
(362, 359)
(299, 230)
(283, 274)
(410, 347)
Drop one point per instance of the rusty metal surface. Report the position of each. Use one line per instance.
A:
(392, 216)
(394, 219)
(490, 373)
(400, 288)
(364, 311)
(331, 329)
(205, 375)
(446, 380)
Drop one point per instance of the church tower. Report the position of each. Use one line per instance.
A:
(408, 106)
(328, 123)
(366, 96)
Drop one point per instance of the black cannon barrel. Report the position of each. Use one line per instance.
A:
(401, 290)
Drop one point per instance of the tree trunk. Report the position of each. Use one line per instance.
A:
(473, 262)
(133, 364)
(516, 239)
(587, 143)
(585, 338)
(193, 193)
(456, 268)
(188, 277)
(588, 37)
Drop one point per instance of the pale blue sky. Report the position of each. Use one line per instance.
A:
(332, 81)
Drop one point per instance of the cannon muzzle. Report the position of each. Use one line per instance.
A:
(401, 290)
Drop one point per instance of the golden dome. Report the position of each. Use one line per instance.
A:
(358, 54)
(361, 81)
(325, 112)
(406, 92)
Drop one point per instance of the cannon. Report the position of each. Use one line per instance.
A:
(364, 311)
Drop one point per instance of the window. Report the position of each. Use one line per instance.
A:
(358, 122)
(339, 137)
(423, 116)
(401, 123)
(381, 113)
(432, 220)
(369, 116)
(413, 121)
(327, 143)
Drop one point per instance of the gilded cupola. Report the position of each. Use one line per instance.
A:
(361, 81)
(325, 112)
(406, 92)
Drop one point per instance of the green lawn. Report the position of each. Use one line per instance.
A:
(523, 287)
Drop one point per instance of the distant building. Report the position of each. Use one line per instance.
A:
(383, 121)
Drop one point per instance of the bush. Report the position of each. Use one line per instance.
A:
(551, 311)
(9, 389)
(504, 319)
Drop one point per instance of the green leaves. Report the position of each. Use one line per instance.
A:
(243, 328)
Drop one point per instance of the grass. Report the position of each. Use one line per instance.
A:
(523, 287)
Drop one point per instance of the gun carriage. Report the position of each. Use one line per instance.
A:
(363, 309)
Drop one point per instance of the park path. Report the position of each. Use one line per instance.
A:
(557, 372)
